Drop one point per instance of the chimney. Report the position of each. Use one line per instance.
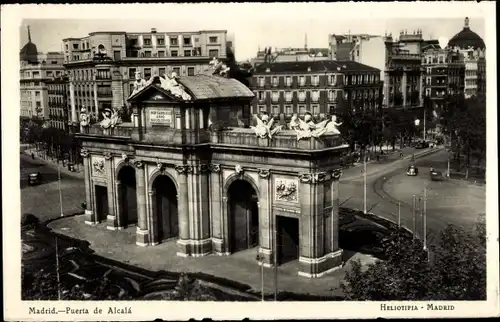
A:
(153, 30)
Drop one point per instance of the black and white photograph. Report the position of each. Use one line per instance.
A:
(276, 160)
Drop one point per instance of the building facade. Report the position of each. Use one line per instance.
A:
(58, 103)
(285, 89)
(102, 66)
(473, 48)
(208, 189)
(280, 55)
(36, 69)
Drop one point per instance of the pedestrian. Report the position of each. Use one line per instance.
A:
(401, 155)
(32, 156)
(413, 157)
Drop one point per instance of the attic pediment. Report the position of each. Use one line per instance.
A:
(154, 93)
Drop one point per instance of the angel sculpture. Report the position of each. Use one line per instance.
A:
(139, 83)
(264, 125)
(84, 118)
(307, 128)
(110, 118)
(219, 67)
(331, 127)
(170, 84)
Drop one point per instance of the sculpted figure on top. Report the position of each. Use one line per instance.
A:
(170, 84)
(264, 127)
(307, 128)
(110, 118)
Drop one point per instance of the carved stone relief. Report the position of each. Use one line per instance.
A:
(286, 190)
(98, 166)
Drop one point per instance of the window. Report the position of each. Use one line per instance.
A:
(288, 81)
(37, 94)
(261, 95)
(160, 41)
(147, 73)
(262, 82)
(147, 54)
(302, 96)
(276, 110)
(302, 80)
(147, 41)
(288, 96)
(187, 53)
(177, 70)
(332, 79)
(354, 79)
(190, 71)
(315, 96)
(275, 96)
(315, 109)
(67, 47)
(161, 53)
(275, 81)
(173, 53)
(75, 46)
(346, 80)
(261, 108)
(332, 95)
(187, 41)
(174, 41)
(212, 40)
(117, 55)
(161, 71)
(302, 110)
(315, 80)
(288, 110)
(131, 72)
(213, 53)
(49, 73)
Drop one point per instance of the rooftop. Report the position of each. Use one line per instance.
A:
(341, 66)
(466, 38)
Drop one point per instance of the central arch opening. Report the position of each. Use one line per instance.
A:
(128, 196)
(243, 216)
(165, 208)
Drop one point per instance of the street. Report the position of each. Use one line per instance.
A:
(43, 200)
(448, 202)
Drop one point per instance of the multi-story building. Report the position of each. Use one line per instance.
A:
(444, 72)
(280, 55)
(58, 93)
(403, 84)
(102, 66)
(319, 87)
(36, 69)
(472, 47)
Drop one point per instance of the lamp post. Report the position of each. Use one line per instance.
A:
(414, 219)
(364, 184)
(60, 190)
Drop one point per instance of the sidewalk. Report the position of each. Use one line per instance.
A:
(26, 155)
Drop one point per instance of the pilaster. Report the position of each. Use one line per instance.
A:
(404, 81)
(111, 220)
(200, 207)
(216, 209)
(265, 217)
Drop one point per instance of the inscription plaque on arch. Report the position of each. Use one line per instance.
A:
(160, 117)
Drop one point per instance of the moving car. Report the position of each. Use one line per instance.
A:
(412, 171)
(422, 145)
(436, 175)
(35, 178)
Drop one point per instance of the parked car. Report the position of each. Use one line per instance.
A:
(436, 175)
(35, 178)
(412, 171)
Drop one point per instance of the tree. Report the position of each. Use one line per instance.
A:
(455, 269)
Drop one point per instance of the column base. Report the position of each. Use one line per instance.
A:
(112, 223)
(218, 246)
(317, 267)
(265, 257)
(194, 248)
(184, 246)
(142, 237)
(89, 217)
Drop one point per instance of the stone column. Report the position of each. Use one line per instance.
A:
(90, 218)
(135, 116)
(421, 88)
(118, 205)
(265, 218)
(403, 86)
(96, 112)
(200, 210)
(386, 89)
(111, 221)
(219, 247)
(184, 241)
(316, 256)
(153, 218)
(74, 118)
(142, 219)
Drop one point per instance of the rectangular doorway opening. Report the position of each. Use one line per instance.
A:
(101, 203)
(287, 239)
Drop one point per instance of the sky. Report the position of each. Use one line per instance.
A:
(253, 26)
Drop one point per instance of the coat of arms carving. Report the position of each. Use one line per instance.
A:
(99, 167)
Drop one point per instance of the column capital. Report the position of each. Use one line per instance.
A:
(118, 182)
(320, 177)
(214, 167)
(264, 173)
(84, 153)
(151, 192)
(183, 169)
(107, 155)
(139, 164)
